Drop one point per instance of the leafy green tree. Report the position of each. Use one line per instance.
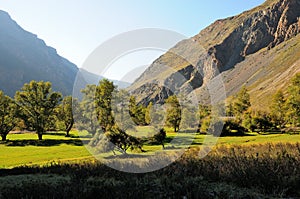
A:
(229, 107)
(248, 121)
(293, 101)
(124, 141)
(173, 115)
(96, 108)
(8, 111)
(189, 118)
(115, 140)
(103, 100)
(242, 102)
(278, 109)
(158, 116)
(160, 137)
(38, 102)
(148, 113)
(121, 110)
(86, 116)
(137, 112)
(231, 127)
(65, 113)
(204, 117)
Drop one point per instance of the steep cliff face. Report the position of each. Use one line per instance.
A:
(220, 48)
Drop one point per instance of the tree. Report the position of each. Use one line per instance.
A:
(86, 116)
(229, 110)
(278, 109)
(65, 113)
(8, 110)
(96, 108)
(38, 102)
(158, 116)
(231, 128)
(137, 112)
(103, 103)
(204, 117)
(261, 122)
(160, 137)
(173, 116)
(148, 113)
(242, 102)
(293, 101)
(248, 121)
(121, 110)
(189, 119)
(115, 139)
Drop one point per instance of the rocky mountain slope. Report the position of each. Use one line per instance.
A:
(24, 57)
(258, 48)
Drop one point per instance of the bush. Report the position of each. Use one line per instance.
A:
(256, 171)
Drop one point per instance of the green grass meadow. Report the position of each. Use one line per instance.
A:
(25, 149)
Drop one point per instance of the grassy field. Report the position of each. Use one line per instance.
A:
(24, 149)
(252, 166)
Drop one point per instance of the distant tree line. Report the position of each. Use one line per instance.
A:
(283, 114)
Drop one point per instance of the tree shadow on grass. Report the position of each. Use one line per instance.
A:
(60, 133)
(127, 156)
(46, 142)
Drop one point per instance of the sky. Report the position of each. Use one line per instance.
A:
(77, 27)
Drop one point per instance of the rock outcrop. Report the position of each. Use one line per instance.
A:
(219, 48)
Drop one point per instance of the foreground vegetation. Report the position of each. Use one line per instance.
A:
(248, 171)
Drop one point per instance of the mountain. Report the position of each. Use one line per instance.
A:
(259, 48)
(24, 57)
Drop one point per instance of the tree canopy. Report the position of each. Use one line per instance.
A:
(37, 102)
(173, 115)
(8, 110)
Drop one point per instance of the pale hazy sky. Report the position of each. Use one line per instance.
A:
(76, 27)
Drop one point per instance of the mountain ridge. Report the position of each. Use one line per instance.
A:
(218, 49)
(25, 57)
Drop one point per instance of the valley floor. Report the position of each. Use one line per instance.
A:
(252, 166)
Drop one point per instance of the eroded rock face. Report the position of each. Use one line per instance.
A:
(220, 47)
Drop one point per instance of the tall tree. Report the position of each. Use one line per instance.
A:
(189, 118)
(8, 120)
(137, 112)
(242, 102)
(103, 100)
(65, 113)
(293, 101)
(278, 109)
(38, 103)
(148, 113)
(86, 116)
(121, 110)
(204, 116)
(173, 116)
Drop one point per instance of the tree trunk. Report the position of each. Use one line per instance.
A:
(3, 136)
(69, 128)
(68, 134)
(40, 136)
